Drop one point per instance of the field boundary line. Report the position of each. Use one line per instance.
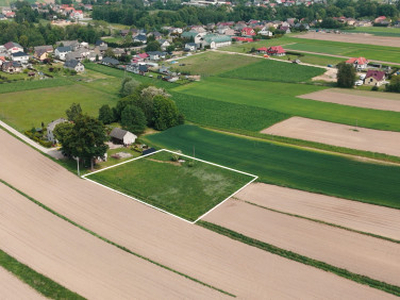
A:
(113, 243)
(255, 177)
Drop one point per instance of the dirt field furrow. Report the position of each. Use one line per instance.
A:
(387, 142)
(11, 288)
(230, 265)
(357, 38)
(355, 99)
(82, 262)
(357, 253)
(351, 214)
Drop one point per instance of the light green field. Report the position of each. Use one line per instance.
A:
(182, 189)
(210, 63)
(26, 109)
(281, 97)
(271, 70)
(378, 31)
(290, 166)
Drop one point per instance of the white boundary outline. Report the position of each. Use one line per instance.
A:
(255, 177)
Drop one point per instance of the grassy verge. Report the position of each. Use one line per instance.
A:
(322, 222)
(39, 282)
(111, 242)
(388, 288)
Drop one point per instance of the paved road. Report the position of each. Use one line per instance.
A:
(54, 152)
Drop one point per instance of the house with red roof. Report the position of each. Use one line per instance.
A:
(358, 62)
(248, 32)
(242, 39)
(276, 51)
(375, 78)
(262, 50)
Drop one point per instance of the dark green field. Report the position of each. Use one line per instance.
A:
(290, 166)
(182, 189)
(271, 70)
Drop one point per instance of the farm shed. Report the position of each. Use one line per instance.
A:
(121, 136)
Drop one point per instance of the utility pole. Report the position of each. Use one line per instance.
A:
(77, 166)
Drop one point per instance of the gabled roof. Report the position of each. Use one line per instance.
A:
(357, 60)
(110, 60)
(10, 45)
(71, 63)
(248, 31)
(64, 49)
(141, 37)
(143, 55)
(119, 133)
(377, 75)
(216, 38)
(276, 49)
(189, 34)
(19, 54)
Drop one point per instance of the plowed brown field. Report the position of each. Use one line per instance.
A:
(217, 260)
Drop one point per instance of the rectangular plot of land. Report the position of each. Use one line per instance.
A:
(187, 188)
(390, 102)
(386, 142)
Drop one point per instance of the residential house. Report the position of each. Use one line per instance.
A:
(285, 29)
(375, 78)
(156, 55)
(61, 52)
(75, 65)
(50, 129)
(12, 47)
(47, 48)
(74, 45)
(21, 57)
(248, 32)
(2, 60)
(124, 32)
(78, 55)
(359, 63)
(141, 56)
(11, 67)
(193, 36)
(41, 54)
(140, 38)
(262, 50)
(109, 61)
(157, 36)
(276, 51)
(164, 44)
(191, 47)
(100, 43)
(266, 32)
(118, 52)
(121, 136)
(137, 68)
(95, 55)
(2, 17)
(198, 29)
(215, 41)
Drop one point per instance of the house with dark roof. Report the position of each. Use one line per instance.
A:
(164, 44)
(109, 61)
(12, 47)
(2, 17)
(375, 78)
(140, 38)
(61, 52)
(75, 65)
(100, 43)
(21, 57)
(191, 47)
(120, 136)
(359, 63)
(41, 54)
(11, 67)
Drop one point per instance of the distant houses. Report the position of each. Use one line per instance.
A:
(360, 63)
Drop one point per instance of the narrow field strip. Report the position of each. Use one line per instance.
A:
(346, 136)
(365, 280)
(177, 288)
(245, 271)
(372, 101)
(376, 220)
(13, 283)
(360, 254)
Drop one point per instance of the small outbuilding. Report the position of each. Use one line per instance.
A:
(120, 136)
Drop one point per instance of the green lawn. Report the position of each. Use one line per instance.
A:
(210, 63)
(378, 31)
(27, 109)
(271, 70)
(281, 97)
(290, 166)
(179, 188)
(32, 85)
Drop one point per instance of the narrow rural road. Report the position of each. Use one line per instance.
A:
(54, 152)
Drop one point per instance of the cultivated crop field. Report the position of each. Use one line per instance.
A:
(281, 97)
(377, 31)
(211, 63)
(270, 70)
(27, 109)
(187, 189)
(290, 166)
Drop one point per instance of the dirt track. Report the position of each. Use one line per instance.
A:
(78, 260)
(217, 260)
(351, 214)
(386, 142)
(12, 288)
(357, 253)
(354, 99)
(357, 38)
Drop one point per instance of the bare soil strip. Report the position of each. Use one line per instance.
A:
(354, 99)
(80, 261)
(245, 271)
(12, 288)
(364, 217)
(386, 142)
(356, 38)
(357, 253)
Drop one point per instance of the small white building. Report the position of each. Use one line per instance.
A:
(121, 136)
(61, 52)
(21, 57)
(75, 65)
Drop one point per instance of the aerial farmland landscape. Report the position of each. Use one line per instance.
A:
(199, 149)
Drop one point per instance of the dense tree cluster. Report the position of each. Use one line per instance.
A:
(346, 75)
(143, 106)
(394, 85)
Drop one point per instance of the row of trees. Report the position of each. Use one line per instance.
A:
(142, 105)
(185, 15)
